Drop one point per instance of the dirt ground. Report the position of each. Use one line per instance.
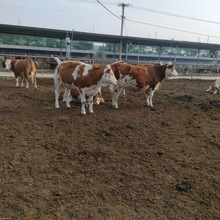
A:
(128, 164)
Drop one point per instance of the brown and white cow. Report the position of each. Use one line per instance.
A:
(85, 78)
(144, 65)
(215, 87)
(139, 77)
(24, 69)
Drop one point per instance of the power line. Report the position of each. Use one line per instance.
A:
(160, 26)
(173, 29)
(174, 15)
(108, 9)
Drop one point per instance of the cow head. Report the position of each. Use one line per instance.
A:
(170, 71)
(108, 77)
(98, 99)
(8, 64)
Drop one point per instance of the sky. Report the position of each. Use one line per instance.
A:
(188, 20)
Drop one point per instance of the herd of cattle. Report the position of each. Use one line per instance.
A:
(84, 81)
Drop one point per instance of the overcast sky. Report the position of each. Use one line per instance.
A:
(160, 18)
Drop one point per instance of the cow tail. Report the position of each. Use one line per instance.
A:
(33, 70)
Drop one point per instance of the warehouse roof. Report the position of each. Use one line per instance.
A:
(105, 38)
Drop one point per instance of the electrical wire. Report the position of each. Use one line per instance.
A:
(173, 29)
(174, 15)
(160, 26)
(108, 9)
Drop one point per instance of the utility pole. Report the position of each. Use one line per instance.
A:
(123, 5)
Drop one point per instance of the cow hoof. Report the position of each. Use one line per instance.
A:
(115, 107)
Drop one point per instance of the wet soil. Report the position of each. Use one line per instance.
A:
(132, 163)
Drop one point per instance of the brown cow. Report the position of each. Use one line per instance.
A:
(86, 78)
(138, 77)
(24, 69)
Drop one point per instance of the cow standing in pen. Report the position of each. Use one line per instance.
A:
(139, 77)
(24, 69)
(144, 65)
(86, 78)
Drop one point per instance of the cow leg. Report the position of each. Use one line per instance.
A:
(123, 93)
(151, 97)
(148, 97)
(209, 89)
(83, 102)
(57, 84)
(22, 80)
(66, 94)
(113, 90)
(115, 96)
(215, 92)
(90, 100)
(27, 84)
(17, 82)
(35, 82)
(35, 85)
(67, 97)
(57, 93)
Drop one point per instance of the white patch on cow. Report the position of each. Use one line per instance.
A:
(74, 74)
(128, 82)
(86, 70)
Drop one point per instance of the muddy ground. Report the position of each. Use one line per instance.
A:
(133, 163)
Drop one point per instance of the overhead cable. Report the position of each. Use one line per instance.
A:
(108, 9)
(174, 15)
(173, 29)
